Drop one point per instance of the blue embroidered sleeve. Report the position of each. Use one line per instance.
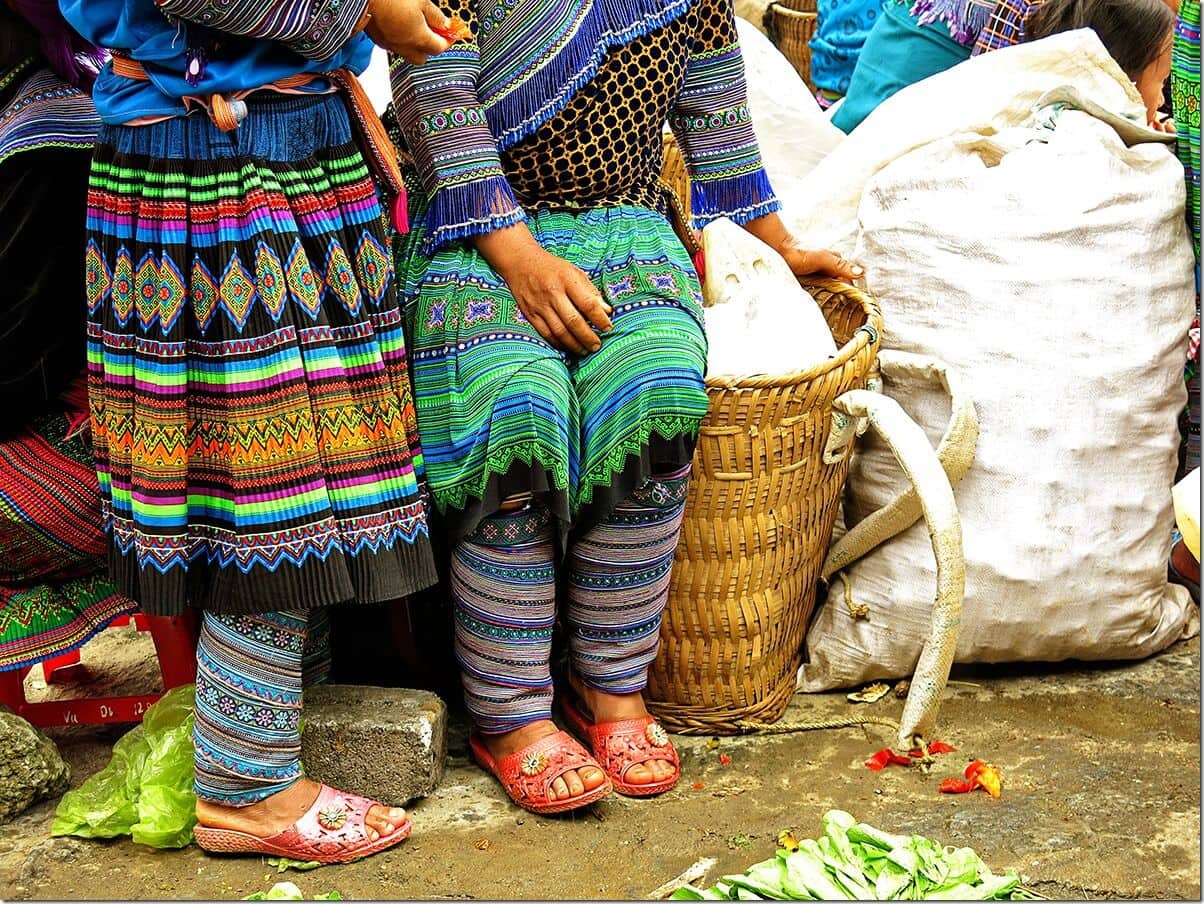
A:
(315, 29)
(713, 127)
(454, 151)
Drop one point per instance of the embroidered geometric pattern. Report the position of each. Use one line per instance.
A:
(494, 396)
(46, 113)
(255, 441)
(561, 104)
(54, 593)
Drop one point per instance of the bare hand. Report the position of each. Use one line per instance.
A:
(403, 27)
(557, 298)
(819, 263)
(803, 262)
(1165, 124)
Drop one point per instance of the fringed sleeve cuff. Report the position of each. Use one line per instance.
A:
(739, 198)
(458, 212)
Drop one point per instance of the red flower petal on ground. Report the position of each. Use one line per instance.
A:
(956, 786)
(884, 758)
(725, 759)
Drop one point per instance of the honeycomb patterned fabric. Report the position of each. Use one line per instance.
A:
(605, 147)
(561, 106)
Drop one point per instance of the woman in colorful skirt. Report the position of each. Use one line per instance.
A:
(54, 591)
(558, 354)
(250, 398)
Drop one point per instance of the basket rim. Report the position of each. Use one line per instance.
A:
(863, 337)
(793, 13)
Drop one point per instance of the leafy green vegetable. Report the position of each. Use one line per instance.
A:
(284, 863)
(855, 861)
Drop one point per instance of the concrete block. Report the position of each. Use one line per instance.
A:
(388, 744)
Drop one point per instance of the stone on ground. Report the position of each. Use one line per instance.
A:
(30, 766)
(389, 744)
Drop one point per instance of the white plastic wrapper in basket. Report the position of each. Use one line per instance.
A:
(759, 320)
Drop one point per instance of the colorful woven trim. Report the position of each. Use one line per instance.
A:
(538, 53)
(47, 112)
(966, 18)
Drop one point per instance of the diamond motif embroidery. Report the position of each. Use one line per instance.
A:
(237, 291)
(171, 293)
(304, 285)
(479, 309)
(438, 315)
(269, 277)
(375, 268)
(123, 287)
(203, 291)
(97, 276)
(341, 278)
(146, 290)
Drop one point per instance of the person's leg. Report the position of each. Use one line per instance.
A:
(642, 397)
(618, 584)
(246, 735)
(316, 659)
(504, 589)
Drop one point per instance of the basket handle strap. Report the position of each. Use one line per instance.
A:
(932, 493)
(955, 453)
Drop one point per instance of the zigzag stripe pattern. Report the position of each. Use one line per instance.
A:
(253, 421)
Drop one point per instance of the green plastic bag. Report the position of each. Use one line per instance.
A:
(146, 791)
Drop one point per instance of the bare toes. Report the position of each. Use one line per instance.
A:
(384, 820)
(573, 780)
(592, 777)
(638, 775)
(560, 790)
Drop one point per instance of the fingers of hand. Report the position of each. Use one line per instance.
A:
(548, 323)
(434, 16)
(579, 329)
(405, 29)
(588, 300)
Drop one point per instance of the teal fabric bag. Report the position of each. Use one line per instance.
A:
(898, 52)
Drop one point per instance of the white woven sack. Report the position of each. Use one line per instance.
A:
(1050, 269)
(985, 95)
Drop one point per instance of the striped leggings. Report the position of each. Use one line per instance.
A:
(504, 591)
(251, 670)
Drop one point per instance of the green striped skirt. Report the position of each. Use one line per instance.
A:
(501, 412)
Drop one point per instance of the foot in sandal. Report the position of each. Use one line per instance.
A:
(551, 772)
(305, 821)
(631, 746)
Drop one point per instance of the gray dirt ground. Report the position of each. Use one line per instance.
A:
(1102, 799)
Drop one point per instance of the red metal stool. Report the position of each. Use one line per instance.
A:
(175, 645)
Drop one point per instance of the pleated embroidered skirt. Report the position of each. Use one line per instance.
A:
(253, 422)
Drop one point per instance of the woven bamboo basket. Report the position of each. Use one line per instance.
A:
(791, 25)
(757, 526)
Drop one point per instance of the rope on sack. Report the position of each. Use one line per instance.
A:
(935, 495)
(955, 453)
(790, 726)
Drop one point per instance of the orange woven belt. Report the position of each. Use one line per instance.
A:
(377, 145)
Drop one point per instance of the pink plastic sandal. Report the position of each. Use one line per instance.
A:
(527, 774)
(332, 830)
(621, 745)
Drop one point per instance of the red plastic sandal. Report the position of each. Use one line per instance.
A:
(527, 774)
(332, 830)
(621, 745)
